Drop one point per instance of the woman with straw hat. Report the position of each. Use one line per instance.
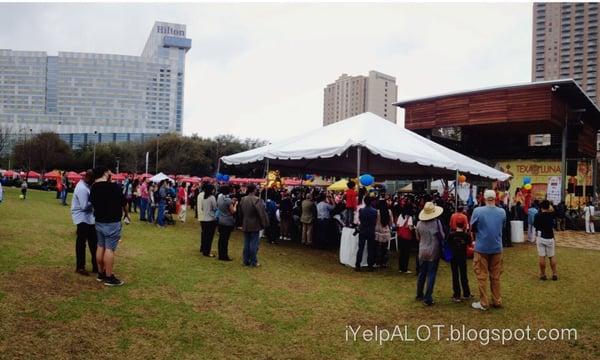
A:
(429, 232)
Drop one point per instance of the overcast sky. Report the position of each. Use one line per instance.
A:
(258, 70)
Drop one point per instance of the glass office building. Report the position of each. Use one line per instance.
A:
(87, 97)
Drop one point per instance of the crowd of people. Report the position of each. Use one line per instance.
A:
(315, 217)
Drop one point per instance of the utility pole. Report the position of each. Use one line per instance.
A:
(118, 160)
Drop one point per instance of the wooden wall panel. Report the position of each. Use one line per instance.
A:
(490, 107)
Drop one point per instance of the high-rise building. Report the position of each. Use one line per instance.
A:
(565, 44)
(86, 97)
(353, 95)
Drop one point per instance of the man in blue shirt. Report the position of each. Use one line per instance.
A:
(82, 214)
(487, 223)
(367, 217)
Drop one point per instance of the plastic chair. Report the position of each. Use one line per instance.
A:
(394, 237)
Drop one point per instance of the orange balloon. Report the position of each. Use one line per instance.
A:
(462, 179)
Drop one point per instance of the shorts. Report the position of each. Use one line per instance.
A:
(108, 235)
(545, 247)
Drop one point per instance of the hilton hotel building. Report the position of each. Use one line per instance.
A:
(87, 97)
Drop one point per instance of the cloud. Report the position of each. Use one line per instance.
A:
(258, 70)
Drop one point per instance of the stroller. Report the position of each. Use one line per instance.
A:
(170, 211)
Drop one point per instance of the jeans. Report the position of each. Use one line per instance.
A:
(427, 271)
(63, 197)
(151, 212)
(85, 232)
(224, 234)
(369, 240)
(143, 208)
(207, 233)
(459, 277)
(160, 218)
(250, 248)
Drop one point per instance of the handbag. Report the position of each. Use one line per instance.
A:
(444, 246)
(404, 231)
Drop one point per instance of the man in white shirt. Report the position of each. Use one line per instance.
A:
(588, 212)
(82, 213)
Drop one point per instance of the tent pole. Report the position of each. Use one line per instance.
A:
(456, 192)
(266, 178)
(358, 153)
(218, 171)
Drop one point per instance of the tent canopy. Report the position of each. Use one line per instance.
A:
(385, 150)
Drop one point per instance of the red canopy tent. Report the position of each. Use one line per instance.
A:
(9, 173)
(32, 175)
(118, 177)
(190, 180)
(144, 176)
(73, 176)
(52, 175)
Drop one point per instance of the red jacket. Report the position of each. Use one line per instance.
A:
(351, 199)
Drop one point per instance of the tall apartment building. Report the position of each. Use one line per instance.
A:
(353, 95)
(86, 97)
(565, 44)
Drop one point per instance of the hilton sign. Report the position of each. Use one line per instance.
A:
(167, 30)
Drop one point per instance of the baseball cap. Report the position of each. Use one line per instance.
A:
(489, 194)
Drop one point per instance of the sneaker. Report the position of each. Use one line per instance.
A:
(112, 281)
(456, 299)
(477, 306)
(408, 272)
(543, 278)
(428, 303)
(554, 277)
(101, 276)
(226, 259)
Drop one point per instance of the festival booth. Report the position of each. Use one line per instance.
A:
(365, 144)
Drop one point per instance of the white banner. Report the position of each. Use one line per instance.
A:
(554, 189)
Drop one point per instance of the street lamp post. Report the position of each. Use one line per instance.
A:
(118, 159)
(157, 137)
(29, 154)
(94, 151)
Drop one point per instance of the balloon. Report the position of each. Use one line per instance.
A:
(462, 179)
(225, 178)
(527, 186)
(527, 180)
(366, 180)
(219, 177)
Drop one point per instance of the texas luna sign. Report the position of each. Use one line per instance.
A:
(169, 30)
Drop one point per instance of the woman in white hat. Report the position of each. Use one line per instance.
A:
(429, 232)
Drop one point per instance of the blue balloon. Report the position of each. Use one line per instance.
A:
(219, 177)
(527, 180)
(225, 178)
(366, 180)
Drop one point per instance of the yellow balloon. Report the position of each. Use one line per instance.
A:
(527, 186)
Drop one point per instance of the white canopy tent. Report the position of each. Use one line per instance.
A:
(160, 177)
(366, 143)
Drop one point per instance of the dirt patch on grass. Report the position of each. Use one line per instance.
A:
(41, 284)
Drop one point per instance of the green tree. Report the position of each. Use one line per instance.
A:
(45, 151)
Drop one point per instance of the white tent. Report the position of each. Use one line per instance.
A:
(366, 143)
(160, 177)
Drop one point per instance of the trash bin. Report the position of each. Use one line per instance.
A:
(516, 231)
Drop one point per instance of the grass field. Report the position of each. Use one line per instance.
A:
(176, 304)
